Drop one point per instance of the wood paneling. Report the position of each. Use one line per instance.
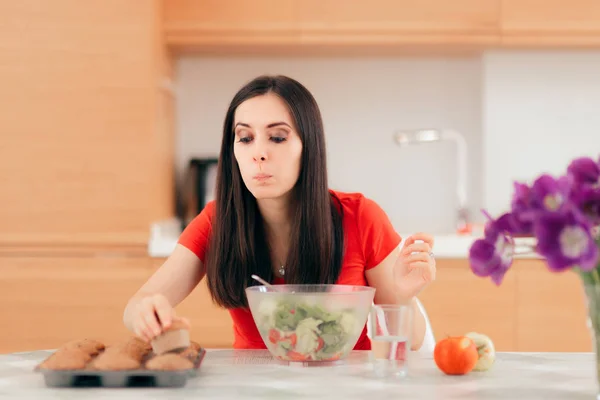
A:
(329, 26)
(404, 21)
(459, 302)
(214, 23)
(551, 23)
(552, 311)
(50, 300)
(83, 157)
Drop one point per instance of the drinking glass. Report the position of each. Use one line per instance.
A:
(390, 329)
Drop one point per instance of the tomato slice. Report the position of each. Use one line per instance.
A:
(294, 355)
(293, 339)
(321, 344)
(274, 336)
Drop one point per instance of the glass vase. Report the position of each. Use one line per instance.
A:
(591, 285)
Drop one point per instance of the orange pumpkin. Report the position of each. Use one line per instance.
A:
(456, 355)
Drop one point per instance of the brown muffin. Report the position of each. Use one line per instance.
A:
(66, 359)
(134, 348)
(114, 361)
(169, 362)
(195, 345)
(90, 346)
(190, 353)
(143, 345)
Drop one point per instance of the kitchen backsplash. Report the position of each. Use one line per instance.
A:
(519, 113)
(541, 109)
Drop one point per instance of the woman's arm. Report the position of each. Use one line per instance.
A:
(164, 290)
(401, 276)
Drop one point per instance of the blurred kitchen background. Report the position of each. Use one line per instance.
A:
(112, 111)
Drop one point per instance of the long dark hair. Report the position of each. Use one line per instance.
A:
(238, 246)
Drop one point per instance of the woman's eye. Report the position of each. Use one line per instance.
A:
(277, 139)
(246, 139)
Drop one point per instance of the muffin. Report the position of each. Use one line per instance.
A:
(176, 336)
(89, 346)
(195, 345)
(66, 359)
(169, 362)
(190, 353)
(114, 361)
(133, 348)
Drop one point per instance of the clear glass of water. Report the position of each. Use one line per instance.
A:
(390, 329)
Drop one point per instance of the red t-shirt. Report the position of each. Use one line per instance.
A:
(369, 238)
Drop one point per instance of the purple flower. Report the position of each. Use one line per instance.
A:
(511, 224)
(521, 200)
(584, 171)
(550, 194)
(587, 200)
(565, 240)
(492, 255)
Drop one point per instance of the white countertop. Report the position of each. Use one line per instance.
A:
(253, 374)
(164, 236)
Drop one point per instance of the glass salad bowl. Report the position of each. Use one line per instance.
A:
(310, 323)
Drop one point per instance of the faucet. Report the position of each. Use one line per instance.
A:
(409, 137)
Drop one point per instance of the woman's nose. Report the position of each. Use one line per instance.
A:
(260, 153)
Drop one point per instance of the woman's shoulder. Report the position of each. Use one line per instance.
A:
(354, 202)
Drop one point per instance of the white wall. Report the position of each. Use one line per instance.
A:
(363, 101)
(540, 110)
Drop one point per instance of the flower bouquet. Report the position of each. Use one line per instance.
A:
(562, 215)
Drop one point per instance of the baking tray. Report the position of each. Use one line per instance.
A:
(127, 378)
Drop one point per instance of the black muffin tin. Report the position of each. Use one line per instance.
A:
(127, 378)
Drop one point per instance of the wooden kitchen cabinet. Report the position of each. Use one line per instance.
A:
(49, 300)
(459, 302)
(214, 25)
(427, 22)
(328, 26)
(550, 23)
(83, 157)
(552, 310)
(532, 310)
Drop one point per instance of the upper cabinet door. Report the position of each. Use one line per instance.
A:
(399, 21)
(551, 22)
(207, 23)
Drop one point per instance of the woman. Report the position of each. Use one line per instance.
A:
(274, 216)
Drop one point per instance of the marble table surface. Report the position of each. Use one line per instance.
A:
(253, 374)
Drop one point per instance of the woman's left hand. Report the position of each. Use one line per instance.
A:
(415, 266)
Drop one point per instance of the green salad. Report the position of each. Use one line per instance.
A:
(304, 332)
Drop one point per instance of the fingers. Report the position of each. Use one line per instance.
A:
(427, 269)
(148, 315)
(419, 236)
(146, 331)
(416, 247)
(140, 331)
(163, 310)
(421, 256)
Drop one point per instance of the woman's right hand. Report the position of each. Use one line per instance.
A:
(152, 315)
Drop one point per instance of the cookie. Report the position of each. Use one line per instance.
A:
(66, 359)
(169, 362)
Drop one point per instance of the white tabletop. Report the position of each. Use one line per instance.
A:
(253, 374)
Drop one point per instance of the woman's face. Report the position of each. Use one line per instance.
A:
(267, 146)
